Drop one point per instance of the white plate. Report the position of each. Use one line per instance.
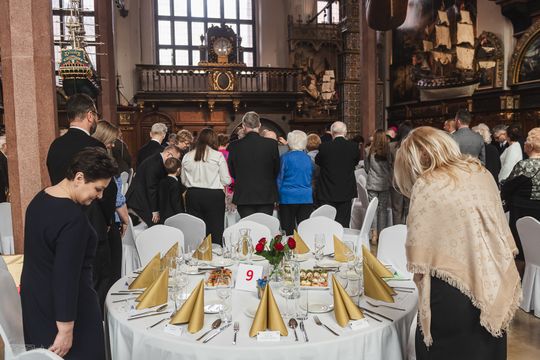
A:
(192, 270)
(319, 308)
(221, 262)
(250, 311)
(256, 257)
(213, 307)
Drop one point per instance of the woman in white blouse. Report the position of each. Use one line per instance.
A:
(205, 173)
(512, 155)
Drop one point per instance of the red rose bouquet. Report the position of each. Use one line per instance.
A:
(275, 250)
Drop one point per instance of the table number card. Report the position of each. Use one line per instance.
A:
(268, 336)
(246, 277)
(175, 330)
(359, 324)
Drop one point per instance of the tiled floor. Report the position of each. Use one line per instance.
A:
(524, 337)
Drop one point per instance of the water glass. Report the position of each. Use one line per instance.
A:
(302, 302)
(227, 247)
(320, 242)
(349, 254)
(224, 292)
(291, 285)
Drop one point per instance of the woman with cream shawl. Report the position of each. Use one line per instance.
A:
(460, 249)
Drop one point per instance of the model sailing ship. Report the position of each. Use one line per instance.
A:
(76, 69)
(447, 68)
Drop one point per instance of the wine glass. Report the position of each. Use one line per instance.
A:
(181, 282)
(320, 242)
(203, 247)
(224, 292)
(245, 245)
(349, 254)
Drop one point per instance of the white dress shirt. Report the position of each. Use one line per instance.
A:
(210, 173)
(509, 158)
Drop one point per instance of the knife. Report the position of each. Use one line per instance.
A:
(376, 313)
(147, 315)
(216, 333)
(304, 330)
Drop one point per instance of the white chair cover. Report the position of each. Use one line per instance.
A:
(361, 176)
(368, 220)
(411, 347)
(359, 207)
(130, 255)
(231, 218)
(158, 238)
(124, 177)
(257, 232)
(528, 229)
(6, 229)
(194, 229)
(320, 225)
(269, 221)
(391, 249)
(37, 354)
(326, 210)
(11, 328)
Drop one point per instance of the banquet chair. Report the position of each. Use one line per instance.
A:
(308, 228)
(11, 327)
(326, 210)
(158, 238)
(37, 354)
(391, 249)
(257, 232)
(361, 176)
(528, 229)
(371, 212)
(194, 228)
(359, 207)
(124, 177)
(130, 255)
(269, 221)
(6, 229)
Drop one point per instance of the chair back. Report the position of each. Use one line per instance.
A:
(257, 232)
(130, 256)
(308, 228)
(528, 229)
(11, 328)
(38, 354)
(194, 229)
(269, 221)
(361, 176)
(158, 238)
(124, 177)
(327, 211)
(391, 249)
(6, 229)
(368, 220)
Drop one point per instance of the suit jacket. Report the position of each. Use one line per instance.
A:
(4, 183)
(254, 165)
(337, 160)
(150, 148)
(470, 143)
(142, 195)
(170, 198)
(493, 161)
(500, 147)
(100, 212)
(122, 156)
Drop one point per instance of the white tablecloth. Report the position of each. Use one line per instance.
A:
(384, 341)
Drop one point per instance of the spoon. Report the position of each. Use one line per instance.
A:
(215, 325)
(293, 324)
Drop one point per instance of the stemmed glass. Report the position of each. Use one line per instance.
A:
(350, 254)
(320, 242)
(245, 245)
(224, 292)
(203, 247)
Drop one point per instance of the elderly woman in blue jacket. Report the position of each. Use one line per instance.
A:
(294, 183)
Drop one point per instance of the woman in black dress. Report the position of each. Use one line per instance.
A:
(60, 307)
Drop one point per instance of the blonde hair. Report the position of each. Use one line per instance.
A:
(106, 132)
(533, 139)
(426, 152)
(313, 142)
(184, 136)
(483, 130)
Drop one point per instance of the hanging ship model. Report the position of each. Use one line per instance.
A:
(446, 66)
(76, 69)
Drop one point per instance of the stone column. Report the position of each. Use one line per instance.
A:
(351, 67)
(26, 44)
(104, 12)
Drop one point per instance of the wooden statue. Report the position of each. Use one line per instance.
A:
(385, 15)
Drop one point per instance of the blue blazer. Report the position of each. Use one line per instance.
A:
(294, 179)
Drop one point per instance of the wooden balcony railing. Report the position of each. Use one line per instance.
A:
(207, 79)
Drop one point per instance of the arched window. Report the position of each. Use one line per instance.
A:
(180, 24)
(330, 15)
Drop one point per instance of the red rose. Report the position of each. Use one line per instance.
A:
(291, 243)
(279, 246)
(262, 241)
(259, 247)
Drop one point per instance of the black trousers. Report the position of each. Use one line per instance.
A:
(208, 205)
(290, 215)
(343, 215)
(246, 210)
(456, 329)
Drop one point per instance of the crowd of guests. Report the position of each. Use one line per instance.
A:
(74, 227)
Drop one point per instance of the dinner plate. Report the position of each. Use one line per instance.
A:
(221, 262)
(256, 257)
(250, 311)
(318, 308)
(192, 270)
(213, 307)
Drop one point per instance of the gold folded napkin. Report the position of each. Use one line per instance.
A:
(148, 275)
(207, 255)
(192, 312)
(344, 307)
(340, 250)
(171, 253)
(374, 263)
(301, 247)
(268, 315)
(375, 287)
(156, 294)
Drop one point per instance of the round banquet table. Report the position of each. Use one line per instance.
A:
(380, 340)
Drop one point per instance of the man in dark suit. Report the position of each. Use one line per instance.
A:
(83, 116)
(4, 183)
(469, 142)
(254, 165)
(500, 138)
(170, 191)
(121, 154)
(157, 135)
(142, 196)
(337, 184)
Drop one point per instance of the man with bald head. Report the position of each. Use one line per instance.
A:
(336, 185)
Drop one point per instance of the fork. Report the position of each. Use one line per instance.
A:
(386, 306)
(318, 322)
(236, 328)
